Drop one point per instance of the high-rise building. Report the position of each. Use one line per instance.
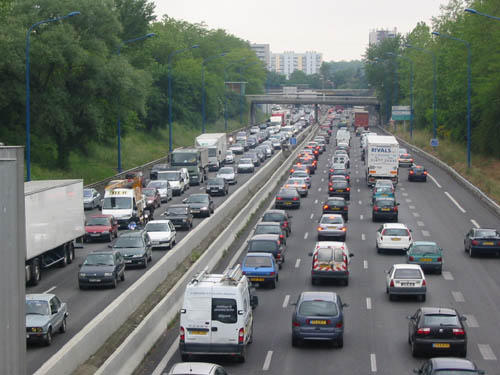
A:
(263, 52)
(376, 36)
(289, 61)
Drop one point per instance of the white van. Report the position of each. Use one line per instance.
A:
(175, 179)
(216, 316)
(331, 260)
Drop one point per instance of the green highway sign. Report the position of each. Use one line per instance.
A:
(401, 113)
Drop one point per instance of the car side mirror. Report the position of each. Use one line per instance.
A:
(409, 317)
(351, 255)
(345, 305)
(254, 301)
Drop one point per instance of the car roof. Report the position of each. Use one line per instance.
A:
(40, 296)
(336, 199)
(159, 221)
(438, 310)
(452, 363)
(182, 368)
(424, 243)
(199, 194)
(104, 252)
(407, 266)
(179, 205)
(259, 237)
(267, 255)
(275, 212)
(275, 223)
(395, 226)
(132, 233)
(331, 216)
(327, 296)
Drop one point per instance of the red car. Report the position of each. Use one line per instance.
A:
(101, 227)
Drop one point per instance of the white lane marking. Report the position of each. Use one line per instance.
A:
(411, 207)
(416, 214)
(368, 303)
(471, 321)
(458, 296)
(164, 361)
(316, 201)
(306, 235)
(324, 172)
(201, 188)
(359, 190)
(297, 263)
(363, 237)
(319, 189)
(408, 200)
(312, 215)
(447, 275)
(475, 223)
(357, 180)
(404, 194)
(426, 233)
(322, 180)
(434, 180)
(487, 352)
(373, 362)
(357, 171)
(285, 302)
(49, 290)
(360, 202)
(455, 202)
(365, 264)
(360, 217)
(402, 188)
(267, 361)
(420, 224)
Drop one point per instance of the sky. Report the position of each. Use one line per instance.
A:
(338, 29)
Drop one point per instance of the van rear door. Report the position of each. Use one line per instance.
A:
(196, 320)
(224, 321)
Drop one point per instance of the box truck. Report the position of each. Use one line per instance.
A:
(216, 143)
(194, 159)
(382, 153)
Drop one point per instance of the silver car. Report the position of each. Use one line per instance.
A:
(45, 315)
(229, 159)
(91, 198)
(228, 174)
(298, 183)
(163, 187)
(246, 165)
(332, 225)
(199, 368)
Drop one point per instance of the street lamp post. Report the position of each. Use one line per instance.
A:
(241, 96)
(467, 45)
(119, 127)
(28, 109)
(203, 96)
(411, 89)
(169, 65)
(434, 87)
(388, 97)
(473, 11)
(225, 91)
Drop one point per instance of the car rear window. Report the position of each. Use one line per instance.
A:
(262, 245)
(272, 217)
(326, 255)
(395, 232)
(335, 202)
(331, 220)
(425, 249)
(258, 262)
(485, 233)
(268, 229)
(440, 319)
(340, 184)
(224, 310)
(407, 274)
(384, 203)
(318, 308)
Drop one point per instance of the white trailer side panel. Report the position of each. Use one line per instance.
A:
(54, 214)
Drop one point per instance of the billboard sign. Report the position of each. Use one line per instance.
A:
(401, 112)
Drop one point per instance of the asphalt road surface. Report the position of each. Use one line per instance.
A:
(376, 333)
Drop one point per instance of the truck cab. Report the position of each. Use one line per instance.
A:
(124, 204)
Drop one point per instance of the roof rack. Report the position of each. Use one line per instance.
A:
(200, 275)
(233, 274)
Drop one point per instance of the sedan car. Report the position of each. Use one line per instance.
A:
(427, 255)
(405, 160)
(437, 331)
(101, 268)
(299, 184)
(302, 174)
(153, 198)
(279, 216)
(163, 187)
(331, 226)
(393, 237)
(46, 314)
(217, 186)
(318, 316)
(260, 268)
(482, 240)
(406, 279)
(91, 198)
(447, 365)
(228, 174)
(252, 155)
(417, 173)
(385, 209)
(341, 172)
(237, 148)
(336, 205)
(136, 248)
(268, 243)
(101, 227)
(287, 198)
(245, 165)
(271, 227)
(180, 216)
(382, 182)
(162, 233)
(200, 204)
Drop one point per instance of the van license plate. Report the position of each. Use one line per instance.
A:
(440, 345)
(318, 322)
(288, 203)
(257, 279)
(198, 332)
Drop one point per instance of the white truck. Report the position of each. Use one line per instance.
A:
(216, 143)
(125, 202)
(54, 221)
(381, 156)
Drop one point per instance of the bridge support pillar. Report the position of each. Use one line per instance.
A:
(252, 113)
(316, 113)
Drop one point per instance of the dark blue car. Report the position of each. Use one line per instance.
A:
(261, 268)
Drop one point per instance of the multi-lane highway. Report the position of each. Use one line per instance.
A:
(375, 339)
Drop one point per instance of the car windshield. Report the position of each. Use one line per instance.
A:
(198, 199)
(157, 227)
(117, 203)
(262, 245)
(226, 170)
(407, 273)
(169, 176)
(246, 161)
(256, 261)
(268, 229)
(395, 232)
(177, 211)
(331, 220)
(440, 319)
(318, 308)
(149, 192)
(122, 242)
(87, 193)
(37, 307)
(271, 216)
(425, 249)
(157, 184)
(99, 260)
(96, 221)
(486, 233)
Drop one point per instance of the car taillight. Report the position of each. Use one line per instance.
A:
(411, 172)
(391, 284)
(458, 332)
(304, 186)
(343, 229)
(285, 224)
(295, 198)
(411, 258)
(396, 208)
(423, 331)
(325, 207)
(292, 170)
(295, 324)
(348, 189)
(278, 256)
(241, 335)
(338, 325)
(475, 242)
(244, 272)
(281, 236)
(330, 188)
(182, 334)
(331, 170)
(330, 183)
(278, 198)
(346, 208)
(272, 273)
(375, 208)
(424, 283)
(347, 177)
(320, 228)
(425, 173)
(440, 259)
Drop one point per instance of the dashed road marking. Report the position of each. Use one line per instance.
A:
(267, 361)
(471, 321)
(402, 188)
(316, 201)
(426, 233)
(359, 190)
(447, 275)
(322, 180)
(306, 235)
(324, 172)
(434, 180)
(408, 200)
(357, 171)
(365, 264)
(420, 224)
(458, 296)
(373, 362)
(319, 189)
(404, 194)
(285, 301)
(368, 303)
(475, 223)
(455, 202)
(416, 214)
(411, 207)
(49, 290)
(357, 180)
(360, 217)
(363, 237)
(297, 263)
(312, 215)
(360, 202)
(487, 352)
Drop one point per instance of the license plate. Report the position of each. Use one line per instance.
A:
(95, 234)
(440, 345)
(336, 208)
(257, 279)
(95, 280)
(407, 284)
(198, 332)
(128, 261)
(288, 203)
(426, 259)
(318, 322)
(386, 209)
(488, 243)
(340, 190)
(195, 211)
(396, 239)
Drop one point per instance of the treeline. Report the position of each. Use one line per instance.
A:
(483, 36)
(83, 75)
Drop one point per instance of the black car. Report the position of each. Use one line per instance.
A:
(279, 216)
(180, 215)
(200, 204)
(271, 227)
(339, 171)
(135, 247)
(482, 240)
(268, 243)
(217, 186)
(336, 205)
(101, 268)
(437, 330)
(339, 189)
(448, 365)
(417, 173)
(287, 198)
(385, 208)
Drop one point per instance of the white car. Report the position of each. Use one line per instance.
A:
(393, 236)
(406, 279)
(162, 233)
(229, 159)
(199, 368)
(246, 165)
(228, 174)
(254, 130)
(237, 148)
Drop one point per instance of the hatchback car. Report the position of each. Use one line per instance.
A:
(339, 189)
(101, 268)
(198, 368)
(261, 269)
(302, 174)
(135, 247)
(163, 187)
(446, 365)
(228, 174)
(385, 209)
(229, 159)
(200, 204)
(437, 331)
(252, 155)
(153, 198)
(299, 184)
(101, 227)
(417, 173)
(91, 198)
(46, 314)
(270, 227)
(162, 233)
(268, 243)
(406, 279)
(382, 192)
(245, 165)
(318, 316)
(340, 172)
(279, 216)
(180, 216)
(237, 148)
(336, 205)
(393, 237)
(287, 198)
(427, 255)
(381, 182)
(482, 240)
(405, 160)
(217, 186)
(331, 226)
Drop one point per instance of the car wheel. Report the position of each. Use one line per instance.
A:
(296, 341)
(110, 237)
(414, 350)
(439, 271)
(378, 249)
(115, 283)
(145, 262)
(472, 253)
(48, 337)
(346, 282)
(242, 356)
(122, 277)
(463, 353)
(272, 284)
(62, 328)
(314, 281)
(340, 342)
(392, 297)
(81, 286)
(280, 266)
(422, 298)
